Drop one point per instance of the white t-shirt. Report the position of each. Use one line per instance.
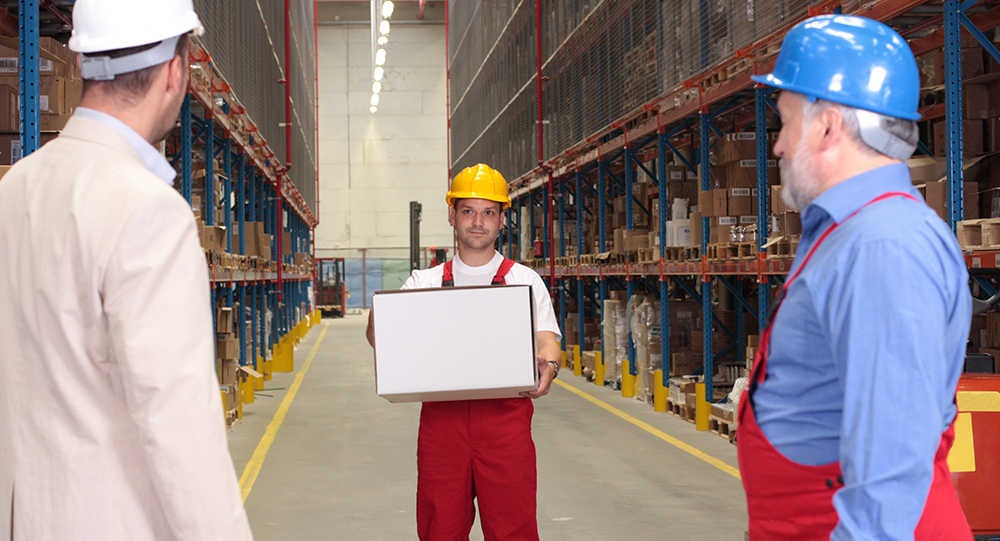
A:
(464, 275)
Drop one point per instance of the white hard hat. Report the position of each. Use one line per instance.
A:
(106, 25)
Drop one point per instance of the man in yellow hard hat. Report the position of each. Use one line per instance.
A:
(481, 449)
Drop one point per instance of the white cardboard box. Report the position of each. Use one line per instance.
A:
(458, 343)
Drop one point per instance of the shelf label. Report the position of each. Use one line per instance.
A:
(976, 263)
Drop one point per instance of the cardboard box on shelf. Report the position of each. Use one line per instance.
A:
(10, 146)
(742, 201)
(696, 229)
(494, 349)
(972, 137)
(227, 346)
(975, 101)
(683, 363)
(51, 59)
(227, 370)
(9, 115)
(972, 64)
(743, 173)
(286, 247)
(742, 146)
(215, 238)
(54, 122)
(722, 228)
(791, 223)
(714, 202)
(935, 194)
(3, 170)
(224, 320)
(680, 173)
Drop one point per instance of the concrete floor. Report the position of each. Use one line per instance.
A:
(343, 464)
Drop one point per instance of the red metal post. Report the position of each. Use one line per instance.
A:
(447, 88)
(316, 146)
(538, 62)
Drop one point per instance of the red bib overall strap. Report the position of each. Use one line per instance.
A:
(791, 501)
(448, 279)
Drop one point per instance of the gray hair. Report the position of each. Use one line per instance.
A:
(896, 137)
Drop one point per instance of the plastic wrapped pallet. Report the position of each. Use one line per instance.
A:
(640, 339)
(734, 398)
(615, 346)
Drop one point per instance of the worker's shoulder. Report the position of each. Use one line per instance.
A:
(423, 278)
(119, 174)
(900, 220)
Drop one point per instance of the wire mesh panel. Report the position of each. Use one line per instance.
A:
(602, 60)
(493, 96)
(302, 78)
(247, 43)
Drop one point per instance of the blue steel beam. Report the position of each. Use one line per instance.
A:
(763, 194)
(186, 147)
(661, 170)
(29, 77)
(706, 286)
(209, 167)
(953, 109)
(735, 290)
(629, 225)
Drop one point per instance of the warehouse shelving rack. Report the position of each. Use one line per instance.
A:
(712, 102)
(213, 123)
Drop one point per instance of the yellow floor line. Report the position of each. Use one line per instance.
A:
(658, 433)
(257, 460)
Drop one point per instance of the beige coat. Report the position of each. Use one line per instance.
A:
(111, 423)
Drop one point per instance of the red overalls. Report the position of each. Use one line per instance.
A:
(790, 501)
(478, 449)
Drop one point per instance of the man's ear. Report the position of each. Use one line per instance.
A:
(176, 75)
(451, 215)
(830, 125)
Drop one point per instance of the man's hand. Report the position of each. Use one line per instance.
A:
(546, 373)
(370, 331)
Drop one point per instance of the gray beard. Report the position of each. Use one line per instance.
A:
(798, 176)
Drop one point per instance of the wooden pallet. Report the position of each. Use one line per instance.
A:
(722, 427)
(692, 253)
(587, 259)
(716, 252)
(741, 250)
(782, 247)
(648, 255)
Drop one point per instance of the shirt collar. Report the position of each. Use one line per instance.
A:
(155, 161)
(462, 268)
(845, 198)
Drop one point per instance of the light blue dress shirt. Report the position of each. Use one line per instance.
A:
(155, 161)
(867, 349)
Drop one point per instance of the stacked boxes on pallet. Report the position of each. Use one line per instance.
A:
(60, 92)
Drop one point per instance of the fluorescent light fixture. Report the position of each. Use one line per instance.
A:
(380, 57)
(379, 72)
(376, 87)
(382, 40)
(387, 9)
(384, 27)
(373, 109)
(374, 99)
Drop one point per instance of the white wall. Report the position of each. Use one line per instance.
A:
(373, 165)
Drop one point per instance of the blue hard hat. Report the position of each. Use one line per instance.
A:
(850, 60)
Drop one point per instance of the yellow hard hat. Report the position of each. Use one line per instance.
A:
(479, 182)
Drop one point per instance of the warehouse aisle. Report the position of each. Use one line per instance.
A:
(342, 465)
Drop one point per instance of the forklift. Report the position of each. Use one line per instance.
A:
(331, 294)
(975, 457)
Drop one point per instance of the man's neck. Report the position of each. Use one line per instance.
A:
(475, 258)
(132, 117)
